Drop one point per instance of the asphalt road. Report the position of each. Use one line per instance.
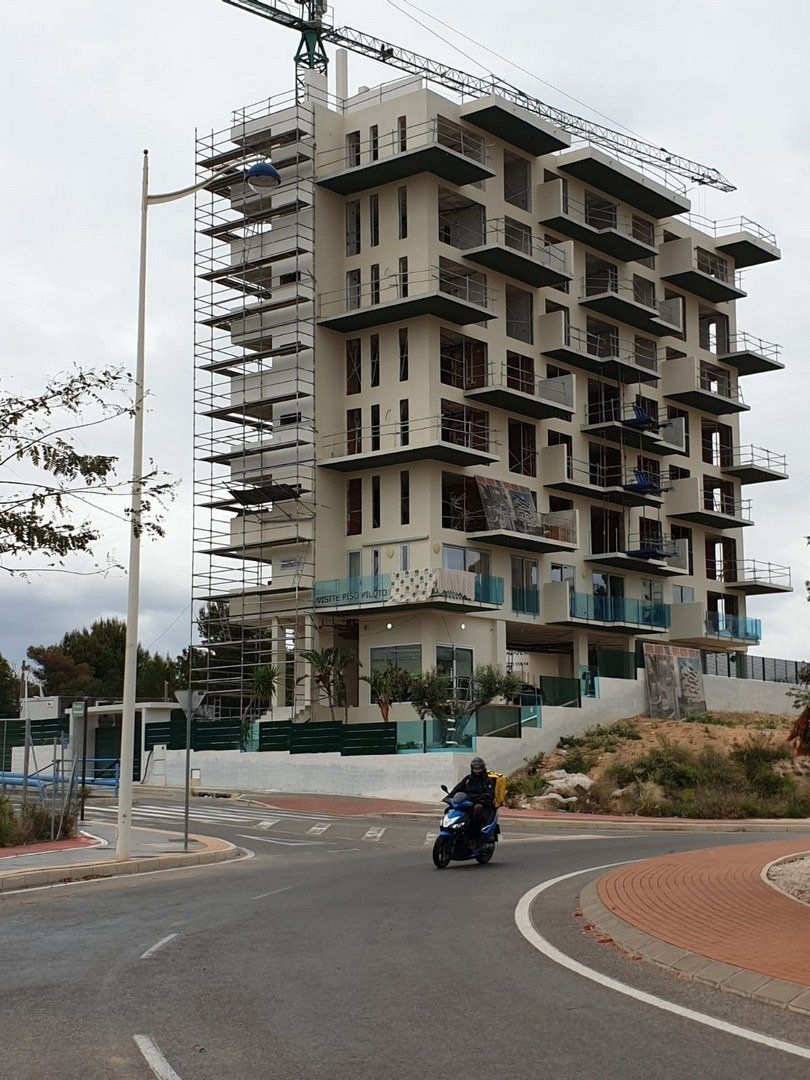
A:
(339, 953)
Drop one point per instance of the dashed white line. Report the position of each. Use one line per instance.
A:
(535, 938)
(375, 834)
(268, 823)
(158, 945)
(154, 1059)
(320, 828)
(273, 892)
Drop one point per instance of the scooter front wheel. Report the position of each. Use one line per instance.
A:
(442, 852)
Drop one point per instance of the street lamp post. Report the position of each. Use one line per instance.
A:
(261, 177)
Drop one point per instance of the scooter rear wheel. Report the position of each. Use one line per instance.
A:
(486, 854)
(442, 852)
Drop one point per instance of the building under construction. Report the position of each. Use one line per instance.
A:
(468, 387)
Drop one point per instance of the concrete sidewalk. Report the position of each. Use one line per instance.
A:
(711, 916)
(93, 856)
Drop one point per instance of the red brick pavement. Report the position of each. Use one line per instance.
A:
(44, 849)
(715, 903)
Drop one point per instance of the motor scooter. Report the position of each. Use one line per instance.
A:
(454, 844)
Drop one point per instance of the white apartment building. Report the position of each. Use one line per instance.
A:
(465, 394)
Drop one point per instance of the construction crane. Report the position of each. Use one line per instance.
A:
(309, 17)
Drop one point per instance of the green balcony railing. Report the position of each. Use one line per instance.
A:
(620, 609)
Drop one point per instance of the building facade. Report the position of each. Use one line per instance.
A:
(465, 393)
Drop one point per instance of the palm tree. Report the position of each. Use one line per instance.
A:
(263, 683)
(388, 685)
(328, 671)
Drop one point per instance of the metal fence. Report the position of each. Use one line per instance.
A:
(763, 668)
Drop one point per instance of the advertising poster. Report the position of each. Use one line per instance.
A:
(507, 506)
(674, 681)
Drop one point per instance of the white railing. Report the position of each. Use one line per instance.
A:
(369, 438)
(407, 285)
(756, 456)
(748, 343)
(750, 570)
(727, 226)
(387, 144)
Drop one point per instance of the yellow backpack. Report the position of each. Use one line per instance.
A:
(500, 787)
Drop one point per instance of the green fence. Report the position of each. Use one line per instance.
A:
(615, 664)
(326, 738)
(369, 739)
(215, 735)
(274, 735)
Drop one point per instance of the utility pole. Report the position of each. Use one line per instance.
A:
(27, 720)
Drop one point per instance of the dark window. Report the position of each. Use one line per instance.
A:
(556, 503)
(674, 414)
(353, 227)
(375, 427)
(354, 431)
(462, 361)
(374, 141)
(403, 277)
(403, 354)
(354, 506)
(519, 314)
(522, 448)
(405, 498)
(402, 207)
(375, 502)
(375, 283)
(676, 472)
(353, 148)
(517, 180)
(353, 290)
(402, 133)
(353, 366)
(404, 423)
(375, 359)
(373, 221)
(520, 372)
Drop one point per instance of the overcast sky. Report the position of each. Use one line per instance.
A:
(87, 84)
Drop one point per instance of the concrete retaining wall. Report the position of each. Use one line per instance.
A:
(746, 695)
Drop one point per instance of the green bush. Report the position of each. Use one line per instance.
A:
(578, 759)
(524, 787)
(707, 718)
(600, 738)
(31, 824)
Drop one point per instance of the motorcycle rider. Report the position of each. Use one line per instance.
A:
(480, 788)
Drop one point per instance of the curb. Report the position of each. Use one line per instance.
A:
(689, 965)
(15, 881)
(593, 823)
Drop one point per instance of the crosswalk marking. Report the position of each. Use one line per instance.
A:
(431, 836)
(320, 828)
(375, 834)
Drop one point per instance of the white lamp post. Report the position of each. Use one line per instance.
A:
(261, 177)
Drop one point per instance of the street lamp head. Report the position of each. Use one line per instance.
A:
(262, 177)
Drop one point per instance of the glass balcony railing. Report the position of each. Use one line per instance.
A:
(735, 627)
(525, 601)
(620, 609)
(407, 587)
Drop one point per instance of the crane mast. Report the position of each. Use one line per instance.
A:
(315, 31)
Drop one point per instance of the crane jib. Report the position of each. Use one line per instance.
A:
(474, 86)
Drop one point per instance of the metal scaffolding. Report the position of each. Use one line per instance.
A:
(254, 425)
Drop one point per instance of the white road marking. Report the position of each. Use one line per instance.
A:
(268, 823)
(320, 828)
(283, 843)
(548, 838)
(375, 834)
(154, 1059)
(273, 892)
(158, 945)
(535, 938)
(431, 837)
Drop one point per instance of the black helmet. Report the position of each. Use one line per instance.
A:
(478, 765)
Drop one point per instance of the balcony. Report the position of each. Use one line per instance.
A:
(516, 126)
(507, 387)
(630, 424)
(437, 146)
(753, 464)
(592, 353)
(658, 555)
(702, 273)
(750, 355)
(631, 301)
(436, 587)
(753, 578)
(743, 240)
(604, 229)
(454, 297)
(257, 536)
(451, 439)
(529, 531)
(691, 382)
(694, 499)
(624, 183)
(693, 626)
(510, 249)
(616, 614)
(525, 601)
(631, 488)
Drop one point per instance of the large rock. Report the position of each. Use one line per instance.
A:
(561, 782)
(552, 798)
